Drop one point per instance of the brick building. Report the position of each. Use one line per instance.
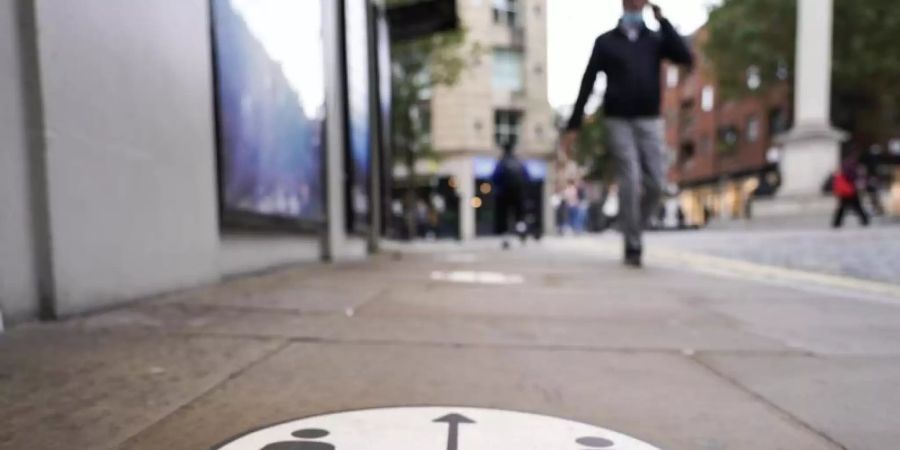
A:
(722, 151)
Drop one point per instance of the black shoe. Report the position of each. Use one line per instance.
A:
(633, 257)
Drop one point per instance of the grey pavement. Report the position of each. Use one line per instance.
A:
(673, 355)
(865, 253)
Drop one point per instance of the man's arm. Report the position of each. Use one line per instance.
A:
(674, 47)
(587, 88)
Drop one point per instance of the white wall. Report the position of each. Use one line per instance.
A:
(243, 253)
(128, 114)
(128, 126)
(18, 284)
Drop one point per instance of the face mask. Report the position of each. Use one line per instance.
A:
(633, 18)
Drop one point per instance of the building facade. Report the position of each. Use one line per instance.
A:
(157, 146)
(501, 98)
(723, 152)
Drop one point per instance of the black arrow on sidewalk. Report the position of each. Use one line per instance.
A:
(453, 420)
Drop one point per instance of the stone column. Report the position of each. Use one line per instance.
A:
(811, 149)
(548, 212)
(465, 179)
(334, 237)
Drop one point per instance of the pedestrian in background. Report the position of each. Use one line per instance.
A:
(869, 160)
(572, 198)
(631, 56)
(846, 190)
(510, 181)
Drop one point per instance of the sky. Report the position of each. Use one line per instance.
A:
(574, 24)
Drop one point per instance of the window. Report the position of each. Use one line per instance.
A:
(686, 153)
(686, 116)
(423, 78)
(506, 127)
(778, 122)
(506, 12)
(728, 139)
(507, 70)
(672, 76)
(708, 144)
(753, 129)
(420, 115)
(708, 98)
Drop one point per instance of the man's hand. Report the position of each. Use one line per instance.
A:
(567, 141)
(657, 11)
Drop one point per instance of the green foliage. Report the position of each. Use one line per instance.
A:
(866, 62)
(419, 66)
(590, 150)
(751, 33)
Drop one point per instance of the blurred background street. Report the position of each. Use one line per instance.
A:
(677, 220)
(872, 254)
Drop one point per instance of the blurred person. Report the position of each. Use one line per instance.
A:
(559, 207)
(873, 185)
(631, 56)
(582, 209)
(869, 162)
(573, 202)
(421, 218)
(510, 181)
(845, 188)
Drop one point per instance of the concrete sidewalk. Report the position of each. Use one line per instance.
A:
(676, 355)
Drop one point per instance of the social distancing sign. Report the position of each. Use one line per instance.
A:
(433, 428)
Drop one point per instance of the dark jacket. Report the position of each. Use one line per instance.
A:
(510, 177)
(633, 71)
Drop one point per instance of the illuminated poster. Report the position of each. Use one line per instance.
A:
(384, 68)
(357, 51)
(270, 86)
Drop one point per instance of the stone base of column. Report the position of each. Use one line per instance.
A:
(798, 205)
(810, 154)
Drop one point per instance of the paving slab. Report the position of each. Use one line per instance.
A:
(851, 399)
(544, 302)
(674, 335)
(66, 389)
(667, 400)
(821, 324)
(872, 253)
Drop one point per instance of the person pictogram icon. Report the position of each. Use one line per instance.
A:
(593, 443)
(310, 441)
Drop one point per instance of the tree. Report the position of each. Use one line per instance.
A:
(759, 35)
(590, 150)
(418, 67)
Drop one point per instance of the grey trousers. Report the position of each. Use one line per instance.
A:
(638, 148)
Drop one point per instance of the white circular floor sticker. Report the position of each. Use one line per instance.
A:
(434, 429)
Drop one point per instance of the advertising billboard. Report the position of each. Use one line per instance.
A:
(356, 26)
(270, 108)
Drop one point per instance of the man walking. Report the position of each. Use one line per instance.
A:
(510, 181)
(631, 56)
